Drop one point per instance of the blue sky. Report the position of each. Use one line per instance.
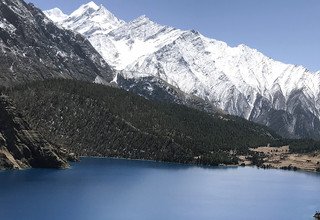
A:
(286, 30)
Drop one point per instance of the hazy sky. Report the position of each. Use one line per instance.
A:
(286, 30)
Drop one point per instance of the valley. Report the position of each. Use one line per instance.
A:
(90, 84)
(70, 113)
(126, 117)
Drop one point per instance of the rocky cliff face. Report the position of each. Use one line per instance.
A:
(32, 47)
(20, 146)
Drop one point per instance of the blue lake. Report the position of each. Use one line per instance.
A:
(109, 189)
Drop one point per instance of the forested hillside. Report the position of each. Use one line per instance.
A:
(97, 120)
(22, 147)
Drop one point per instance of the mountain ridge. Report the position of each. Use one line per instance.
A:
(258, 88)
(32, 47)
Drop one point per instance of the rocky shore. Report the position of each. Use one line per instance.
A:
(22, 147)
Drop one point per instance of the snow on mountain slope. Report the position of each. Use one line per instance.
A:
(56, 15)
(88, 20)
(210, 69)
(240, 80)
(33, 48)
(137, 39)
(93, 21)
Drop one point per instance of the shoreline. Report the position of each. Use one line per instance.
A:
(158, 161)
(282, 158)
(243, 162)
(203, 166)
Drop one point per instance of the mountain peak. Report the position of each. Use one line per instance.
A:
(142, 21)
(106, 14)
(88, 8)
(142, 18)
(56, 15)
(87, 19)
(92, 5)
(56, 10)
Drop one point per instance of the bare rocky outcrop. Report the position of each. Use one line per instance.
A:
(20, 146)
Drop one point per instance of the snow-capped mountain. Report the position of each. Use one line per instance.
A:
(239, 80)
(92, 21)
(56, 15)
(32, 48)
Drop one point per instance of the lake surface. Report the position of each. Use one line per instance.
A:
(109, 189)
